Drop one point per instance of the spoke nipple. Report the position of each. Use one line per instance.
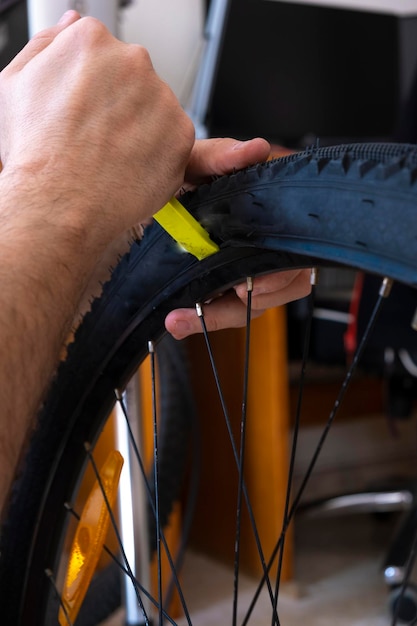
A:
(118, 394)
(151, 347)
(386, 287)
(414, 321)
(87, 447)
(199, 309)
(314, 276)
(249, 283)
(49, 573)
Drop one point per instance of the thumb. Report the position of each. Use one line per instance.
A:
(224, 155)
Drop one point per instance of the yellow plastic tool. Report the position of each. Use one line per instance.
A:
(184, 228)
(89, 538)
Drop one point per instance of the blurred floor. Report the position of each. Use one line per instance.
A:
(338, 579)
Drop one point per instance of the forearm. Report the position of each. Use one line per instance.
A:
(44, 267)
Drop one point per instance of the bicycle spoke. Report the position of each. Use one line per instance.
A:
(238, 447)
(242, 451)
(116, 530)
(51, 579)
(297, 420)
(156, 477)
(151, 500)
(200, 314)
(384, 292)
(124, 571)
(408, 569)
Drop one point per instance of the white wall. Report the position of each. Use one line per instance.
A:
(172, 31)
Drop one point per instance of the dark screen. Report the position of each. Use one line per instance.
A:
(288, 71)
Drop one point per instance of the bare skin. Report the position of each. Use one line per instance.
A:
(79, 137)
(83, 132)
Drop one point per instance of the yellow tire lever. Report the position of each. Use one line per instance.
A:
(184, 228)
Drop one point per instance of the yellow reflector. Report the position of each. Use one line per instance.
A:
(90, 537)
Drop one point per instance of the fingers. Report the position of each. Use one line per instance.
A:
(42, 40)
(229, 310)
(277, 289)
(213, 157)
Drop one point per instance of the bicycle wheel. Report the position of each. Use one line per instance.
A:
(349, 205)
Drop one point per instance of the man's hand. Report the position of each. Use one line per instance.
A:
(86, 118)
(223, 156)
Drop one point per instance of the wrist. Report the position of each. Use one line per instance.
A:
(42, 206)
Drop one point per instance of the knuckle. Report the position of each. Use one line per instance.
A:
(143, 55)
(91, 31)
(139, 57)
(92, 25)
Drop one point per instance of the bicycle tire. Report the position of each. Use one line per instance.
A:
(344, 205)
